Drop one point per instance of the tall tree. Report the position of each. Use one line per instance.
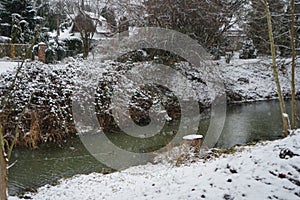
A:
(109, 15)
(84, 24)
(280, 19)
(8, 9)
(20, 19)
(205, 21)
(285, 120)
(294, 117)
(16, 29)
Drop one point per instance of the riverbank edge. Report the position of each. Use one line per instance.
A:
(274, 161)
(244, 83)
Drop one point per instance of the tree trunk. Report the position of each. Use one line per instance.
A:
(294, 117)
(274, 67)
(57, 25)
(86, 45)
(3, 169)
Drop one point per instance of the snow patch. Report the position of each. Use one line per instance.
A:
(192, 137)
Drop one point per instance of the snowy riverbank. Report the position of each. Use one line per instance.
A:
(252, 80)
(244, 80)
(268, 170)
(256, 173)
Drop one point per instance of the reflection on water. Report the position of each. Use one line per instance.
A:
(253, 122)
(34, 168)
(49, 163)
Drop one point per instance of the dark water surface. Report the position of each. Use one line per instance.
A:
(34, 168)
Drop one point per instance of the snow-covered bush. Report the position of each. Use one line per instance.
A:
(248, 50)
(50, 55)
(38, 107)
(40, 104)
(215, 52)
(16, 31)
(73, 46)
(55, 51)
(142, 100)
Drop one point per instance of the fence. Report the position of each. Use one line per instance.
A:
(14, 51)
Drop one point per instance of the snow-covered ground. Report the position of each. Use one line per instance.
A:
(252, 80)
(6, 65)
(269, 170)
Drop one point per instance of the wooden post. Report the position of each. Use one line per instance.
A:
(42, 52)
(286, 124)
(194, 141)
(13, 51)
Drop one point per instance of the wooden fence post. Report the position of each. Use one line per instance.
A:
(13, 51)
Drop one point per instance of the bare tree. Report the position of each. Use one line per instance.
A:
(285, 120)
(293, 64)
(280, 11)
(205, 21)
(85, 23)
(3, 166)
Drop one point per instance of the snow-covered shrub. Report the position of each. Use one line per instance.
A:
(157, 55)
(73, 46)
(55, 51)
(40, 104)
(50, 55)
(142, 100)
(248, 50)
(38, 107)
(215, 52)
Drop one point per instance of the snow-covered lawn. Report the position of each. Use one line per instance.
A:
(7, 65)
(253, 172)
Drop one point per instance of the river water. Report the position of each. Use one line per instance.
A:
(34, 168)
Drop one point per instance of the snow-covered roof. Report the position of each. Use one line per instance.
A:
(235, 28)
